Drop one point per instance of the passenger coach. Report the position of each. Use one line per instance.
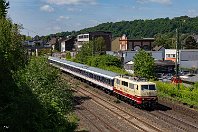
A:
(94, 75)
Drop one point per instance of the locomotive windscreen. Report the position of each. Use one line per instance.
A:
(148, 87)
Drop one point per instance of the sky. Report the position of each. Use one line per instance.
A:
(44, 17)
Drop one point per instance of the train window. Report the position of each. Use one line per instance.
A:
(131, 85)
(152, 87)
(107, 81)
(144, 87)
(125, 83)
(111, 83)
(118, 82)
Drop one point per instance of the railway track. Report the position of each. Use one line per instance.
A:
(135, 122)
(94, 119)
(169, 119)
(177, 122)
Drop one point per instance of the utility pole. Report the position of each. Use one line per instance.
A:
(177, 60)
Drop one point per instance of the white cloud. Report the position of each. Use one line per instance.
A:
(63, 18)
(71, 2)
(74, 9)
(47, 8)
(166, 2)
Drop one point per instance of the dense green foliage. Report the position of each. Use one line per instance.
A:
(37, 100)
(92, 54)
(52, 94)
(185, 95)
(3, 8)
(190, 43)
(164, 40)
(144, 28)
(13, 55)
(94, 47)
(68, 55)
(106, 62)
(144, 65)
(46, 51)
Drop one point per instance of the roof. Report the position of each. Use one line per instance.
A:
(157, 48)
(52, 41)
(132, 80)
(94, 70)
(65, 39)
(165, 62)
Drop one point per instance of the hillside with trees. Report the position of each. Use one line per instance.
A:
(144, 28)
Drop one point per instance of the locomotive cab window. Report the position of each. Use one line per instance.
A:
(152, 87)
(144, 87)
(125, 83)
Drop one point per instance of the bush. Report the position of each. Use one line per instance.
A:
(184, 94)
(41, 100)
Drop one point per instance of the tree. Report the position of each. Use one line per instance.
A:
(144, 65)
(3, 8)
(164, 40)
(13, 55)
(190, 43)
(89, 49)
(85, 52)
(99, 45)
(68, 55)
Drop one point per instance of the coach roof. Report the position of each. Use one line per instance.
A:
(93, 70)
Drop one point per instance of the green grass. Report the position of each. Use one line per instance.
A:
(187, 95)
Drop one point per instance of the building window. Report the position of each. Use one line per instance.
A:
(173, 55)
(86, 36)
(168, 55)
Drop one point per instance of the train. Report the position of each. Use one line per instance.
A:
(139, 92)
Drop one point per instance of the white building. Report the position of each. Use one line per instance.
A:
(170, 54)
(81, 39)
(188, 58)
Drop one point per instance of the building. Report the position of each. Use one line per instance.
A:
(188, 58)
(30, 43)
(170, 54)
(123, 41)
(129, 55)
(67, 44)
(160, 48)
(136, 44)
(52, 43)
(83, 38)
